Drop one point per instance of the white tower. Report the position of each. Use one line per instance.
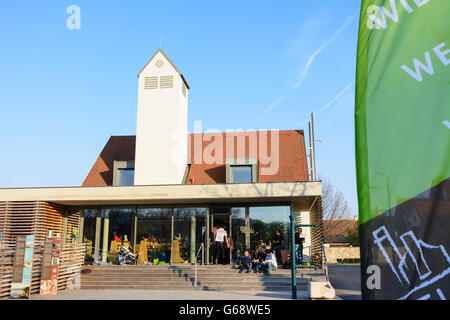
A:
(161, 130)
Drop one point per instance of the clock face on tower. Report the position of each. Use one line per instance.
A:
(159, 63)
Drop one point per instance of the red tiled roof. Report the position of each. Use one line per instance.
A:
(292, 158)
(336, 230)
(120, 148)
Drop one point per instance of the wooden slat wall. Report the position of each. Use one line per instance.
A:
(317, 233)
(37, 218)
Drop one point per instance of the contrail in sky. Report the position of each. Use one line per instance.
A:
(329, 104)
(312, 57)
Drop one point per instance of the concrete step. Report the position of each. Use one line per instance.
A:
(199, 287)
(191, 274)
(170, 277)
(217, 272)
(192, 280)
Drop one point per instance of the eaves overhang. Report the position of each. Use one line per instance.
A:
(262, 192)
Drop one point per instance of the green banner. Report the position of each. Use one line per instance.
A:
(403, 148)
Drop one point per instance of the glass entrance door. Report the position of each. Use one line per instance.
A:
(220, 217)
(236, 223)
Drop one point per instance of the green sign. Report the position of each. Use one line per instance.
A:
(403, 148)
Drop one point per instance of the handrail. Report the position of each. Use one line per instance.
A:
(324, 255)
(202, 248)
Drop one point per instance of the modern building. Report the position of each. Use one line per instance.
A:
(166, 190)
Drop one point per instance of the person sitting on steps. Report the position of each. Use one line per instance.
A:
(246, 262)
(270, 263)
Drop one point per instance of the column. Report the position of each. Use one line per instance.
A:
(98, 226)
(105, 248)
(247, 228)
(192, 245)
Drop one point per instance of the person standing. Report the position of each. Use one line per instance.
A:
(277, 243)
(299, 239)
(220, 237)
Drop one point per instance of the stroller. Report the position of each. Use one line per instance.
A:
(125, 256)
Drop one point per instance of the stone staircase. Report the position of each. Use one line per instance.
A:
(181, 277)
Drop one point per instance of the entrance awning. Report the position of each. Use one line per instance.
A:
(267, 192)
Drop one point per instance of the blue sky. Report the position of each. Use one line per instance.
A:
(250, 65)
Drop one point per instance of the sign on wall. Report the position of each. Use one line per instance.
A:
(403, 148)
(50, 266)
(22, 268)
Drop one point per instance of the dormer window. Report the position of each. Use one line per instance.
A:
(243, 170)
(126, 177)
(123, 174)
(241, 174)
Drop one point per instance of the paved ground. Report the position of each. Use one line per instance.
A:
(346, 280)
(167, 295)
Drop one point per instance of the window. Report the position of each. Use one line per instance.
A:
(123, 173)
(241, 174)
(241, 170)
(126, 177)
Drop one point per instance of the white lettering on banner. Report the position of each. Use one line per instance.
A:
(428, 67)
(376, 15)
(446, 123)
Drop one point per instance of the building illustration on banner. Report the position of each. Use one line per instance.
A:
(413, 256)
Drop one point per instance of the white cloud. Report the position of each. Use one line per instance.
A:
(313, 56)
(276, 103)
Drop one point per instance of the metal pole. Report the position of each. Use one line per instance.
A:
(192, 257)
(294, 265)
(230, 236)
(171, 238)
(312, 147)
(207, 234)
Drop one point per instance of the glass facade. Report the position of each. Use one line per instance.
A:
(264, 221)
(238, 232)
(189, 233)
(90, 217)
(174, 234)
(154, 232)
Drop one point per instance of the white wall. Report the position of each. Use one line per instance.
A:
(161, 130)
(303, 217)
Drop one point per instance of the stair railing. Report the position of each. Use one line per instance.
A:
(202, 249)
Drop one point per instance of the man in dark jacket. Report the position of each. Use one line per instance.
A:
(277, 244)
(299, 239)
